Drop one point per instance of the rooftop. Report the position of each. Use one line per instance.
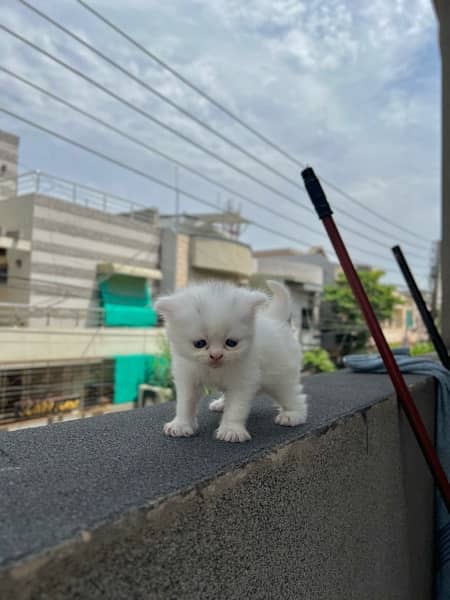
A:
(45, 184)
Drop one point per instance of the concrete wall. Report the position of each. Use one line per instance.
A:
(174, 260)
(16, 213)
(9, 146)
(216, 255)
(293, 270)
(443, 12)
(49, 343)
(341, 513)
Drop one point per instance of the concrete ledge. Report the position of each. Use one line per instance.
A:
(109, 508)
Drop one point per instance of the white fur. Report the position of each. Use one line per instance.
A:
(267, 358)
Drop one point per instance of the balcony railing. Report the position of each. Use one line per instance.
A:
(22, 315)
(64, 189)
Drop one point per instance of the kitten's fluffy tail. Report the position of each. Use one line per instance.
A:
(280, 305)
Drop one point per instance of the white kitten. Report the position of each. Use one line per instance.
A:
(220, 339)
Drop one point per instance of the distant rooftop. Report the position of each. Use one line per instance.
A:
(38, 182)
(227, 224)
(272, 252)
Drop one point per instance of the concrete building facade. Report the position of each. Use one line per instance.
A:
(305, 282)
(78, 268)
(194, 249)
(61, 249)
(9, 147)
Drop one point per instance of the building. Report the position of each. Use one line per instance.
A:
(316, 255)
(202, 247)
(9, 147)
(305, 282)
(406, 326)
(78, 270)
(64, 245)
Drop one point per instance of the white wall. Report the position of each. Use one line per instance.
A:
(27, 344)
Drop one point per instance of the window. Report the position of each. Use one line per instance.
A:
(307, 319)
(409, 319)
(3, 266)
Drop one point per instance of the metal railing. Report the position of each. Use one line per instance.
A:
(50, 390)
(23, 315)
(42, 183)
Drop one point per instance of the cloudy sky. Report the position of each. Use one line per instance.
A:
(351, 87)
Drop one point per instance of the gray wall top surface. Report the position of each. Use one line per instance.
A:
(59, 480)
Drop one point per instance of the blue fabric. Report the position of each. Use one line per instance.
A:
(420, 366)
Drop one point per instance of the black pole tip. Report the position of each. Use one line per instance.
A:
(307, 172)
(316, 193)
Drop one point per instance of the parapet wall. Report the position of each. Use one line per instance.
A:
(341, 508)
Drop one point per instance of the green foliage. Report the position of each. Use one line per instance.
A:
(381, 296)
(346, 315)
(162, 368)
(421, 348)
(318, 360)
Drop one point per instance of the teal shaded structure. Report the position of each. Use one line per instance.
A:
(127, 302)
(130, 371)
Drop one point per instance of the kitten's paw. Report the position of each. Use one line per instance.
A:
(217, 405)
(177, 428)
(291, 418)
(233, 433)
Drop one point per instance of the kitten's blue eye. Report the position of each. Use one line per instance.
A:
(231, 343)
(199, 343)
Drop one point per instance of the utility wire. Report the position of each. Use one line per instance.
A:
(167, 157)
(236, 118)
(150, 117)
(149, 177)
(137, 171)
(133, 107)
(192, 117)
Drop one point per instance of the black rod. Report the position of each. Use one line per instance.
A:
(426, 315)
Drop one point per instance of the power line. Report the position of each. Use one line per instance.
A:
(236, 118)
(197, 120)
(179, 163)
(192, 142)
(154, 150)
(150, 117)
(149, 177)
(160, 95)
(137, 171)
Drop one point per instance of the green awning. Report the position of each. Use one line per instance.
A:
(127, 302)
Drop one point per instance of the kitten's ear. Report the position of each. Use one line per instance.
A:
(254, 300)
(166, 306)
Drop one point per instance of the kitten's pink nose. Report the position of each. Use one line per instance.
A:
(216, 356)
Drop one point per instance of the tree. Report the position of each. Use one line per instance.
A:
(344, 315)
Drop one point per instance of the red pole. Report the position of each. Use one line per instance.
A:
(324, 211)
